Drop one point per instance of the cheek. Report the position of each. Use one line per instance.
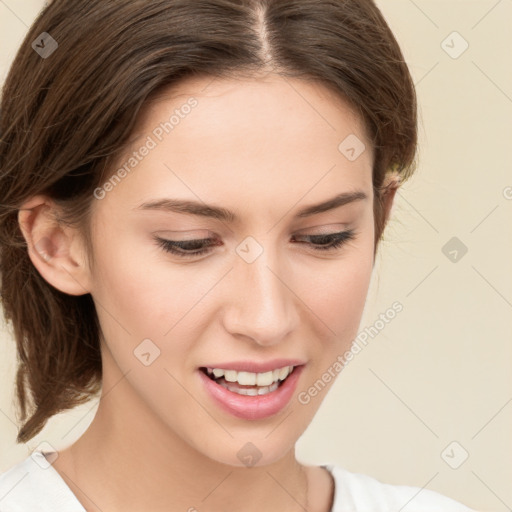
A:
(336, 294)
(134, 283)
(141, 292)
(140, 295)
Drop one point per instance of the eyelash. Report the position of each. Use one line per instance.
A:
(338, 240)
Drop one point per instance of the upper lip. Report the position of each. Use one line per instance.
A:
(255, 366)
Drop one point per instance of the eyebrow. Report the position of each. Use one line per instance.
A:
(222, 214)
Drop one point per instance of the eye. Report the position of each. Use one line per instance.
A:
(186, 248)
(192, 248)
(329, 241)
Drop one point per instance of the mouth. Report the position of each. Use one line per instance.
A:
(251, 395)
(249, 383)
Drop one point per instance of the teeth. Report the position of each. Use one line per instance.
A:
(231, 375)
(250, 391)
(246, 378)
(283, 372)
(263, 380)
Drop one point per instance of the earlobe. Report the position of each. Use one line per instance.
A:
(54, 249)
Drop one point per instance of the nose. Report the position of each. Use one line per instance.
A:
(261, 304)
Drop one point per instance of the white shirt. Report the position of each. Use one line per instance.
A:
(34, 485)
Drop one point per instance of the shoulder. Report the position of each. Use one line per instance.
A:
(355, 492)
(34, 485)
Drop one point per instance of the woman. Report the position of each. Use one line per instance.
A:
(193, 194)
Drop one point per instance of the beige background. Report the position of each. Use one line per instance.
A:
(441, 370)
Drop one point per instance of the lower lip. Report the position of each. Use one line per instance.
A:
(253, 407)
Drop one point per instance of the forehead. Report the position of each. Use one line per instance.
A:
(231, 103)
(248, 139)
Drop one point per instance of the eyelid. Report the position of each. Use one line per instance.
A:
(338, 240)
(188, 234)
(323, 229)
(192, 234)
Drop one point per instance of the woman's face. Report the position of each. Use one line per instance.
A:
(247, 157)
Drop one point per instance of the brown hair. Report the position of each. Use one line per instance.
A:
(65, 118)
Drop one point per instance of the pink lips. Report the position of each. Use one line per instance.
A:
(259, 406)
(254, 367)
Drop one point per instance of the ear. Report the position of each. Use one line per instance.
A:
(56, 250)
(390, 187)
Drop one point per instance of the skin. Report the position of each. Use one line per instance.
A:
(263, 148)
